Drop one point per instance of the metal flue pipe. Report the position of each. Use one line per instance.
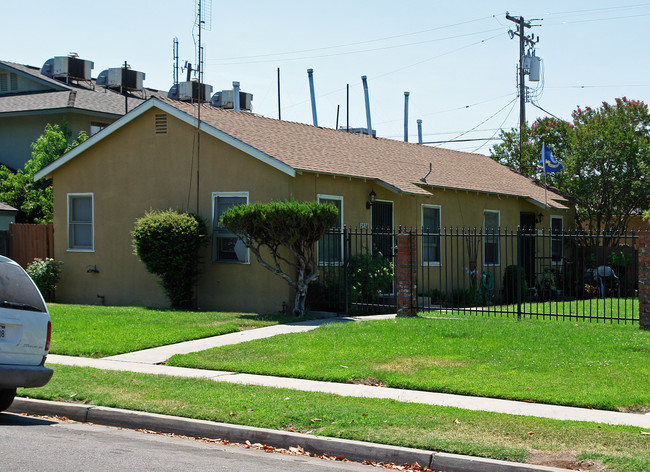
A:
(310, 73)
(365, 93)
(235, 96)
(419, 131)
(406, 117)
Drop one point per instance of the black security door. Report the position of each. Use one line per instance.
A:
(382, 229)
(527, 227)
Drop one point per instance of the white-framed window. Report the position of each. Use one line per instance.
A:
(330, 246)
(430, 235)
(557, 246)
(491, 246)
(226, 247)
(97, 126)
(81, 233)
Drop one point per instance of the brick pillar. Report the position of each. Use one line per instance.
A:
(644, 279)
(406, 274)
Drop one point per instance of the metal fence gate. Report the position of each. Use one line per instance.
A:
(523, 273)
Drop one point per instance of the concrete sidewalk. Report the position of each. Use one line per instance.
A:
(147, 361)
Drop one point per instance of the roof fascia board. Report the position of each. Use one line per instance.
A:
(34, 77)
(175, 112)
(54, 111)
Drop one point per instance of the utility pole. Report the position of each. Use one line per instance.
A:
(523, 41)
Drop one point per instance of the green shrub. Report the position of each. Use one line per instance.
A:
(45, 273)
(436, 296)
(369, 277)
(168, 243)
(510, 284)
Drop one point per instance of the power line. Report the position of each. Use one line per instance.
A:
(463, 107)
(402, 68)
(536, 105)
(500, 128)
(355, 43)
(383, 48)
(486, 120)
(462, 140)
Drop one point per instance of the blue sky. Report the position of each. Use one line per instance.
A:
(456, 59)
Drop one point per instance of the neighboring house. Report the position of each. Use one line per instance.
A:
(29, 100)
(148, 160)
(7, 216)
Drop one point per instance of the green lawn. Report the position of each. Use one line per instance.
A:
(599, 365)
(596, 308)
(453, 430)
(100, 331)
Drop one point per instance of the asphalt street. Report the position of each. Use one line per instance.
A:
(29, 443)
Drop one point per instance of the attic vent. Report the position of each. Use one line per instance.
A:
(8, 82)
(161, 123)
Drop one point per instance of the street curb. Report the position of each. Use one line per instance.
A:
(353, 450)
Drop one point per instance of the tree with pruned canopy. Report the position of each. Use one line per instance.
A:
(270, 229)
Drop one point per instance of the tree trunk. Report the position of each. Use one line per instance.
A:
(301, 295)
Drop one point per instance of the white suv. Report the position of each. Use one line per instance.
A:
(25, 331)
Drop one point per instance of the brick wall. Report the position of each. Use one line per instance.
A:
(644, 279)
(406, 274)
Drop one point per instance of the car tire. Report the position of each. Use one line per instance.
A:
(7, 396)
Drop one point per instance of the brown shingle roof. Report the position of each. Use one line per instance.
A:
(397, 164)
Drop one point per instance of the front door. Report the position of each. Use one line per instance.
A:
(382, 229)
(527, 227)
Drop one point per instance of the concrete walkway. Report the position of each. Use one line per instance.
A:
(148, 361)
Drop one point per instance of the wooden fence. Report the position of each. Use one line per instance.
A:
(25, 242)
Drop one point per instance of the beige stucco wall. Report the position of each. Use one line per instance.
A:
(154, 171)
(133, 170)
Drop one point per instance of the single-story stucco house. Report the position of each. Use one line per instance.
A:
(153, 158)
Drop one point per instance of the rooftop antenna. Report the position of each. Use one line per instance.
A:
(203, 10)
(175, 57)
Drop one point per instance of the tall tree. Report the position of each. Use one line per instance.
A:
(18, 189)
(606, 157)
(283, 237)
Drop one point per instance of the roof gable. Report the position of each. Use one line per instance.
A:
(33, 76)
(156, 103)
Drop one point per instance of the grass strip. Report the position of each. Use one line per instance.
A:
(100, 331)
(453, 430)
(604, 366)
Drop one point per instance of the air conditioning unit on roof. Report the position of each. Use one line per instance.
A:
(72, 68)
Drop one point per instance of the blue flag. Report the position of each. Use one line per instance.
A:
(550, 163)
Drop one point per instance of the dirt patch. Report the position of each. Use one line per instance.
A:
(643, 409)
(369, 381)
(565, 460)
(410, 365)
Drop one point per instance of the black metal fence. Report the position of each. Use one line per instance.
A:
(523, 273)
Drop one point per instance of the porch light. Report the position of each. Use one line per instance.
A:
(540, 217)
(371, 196)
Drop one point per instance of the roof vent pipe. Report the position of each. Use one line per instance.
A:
(235, 96)
(365, 93)
(310, 73)
(419, 131)
(406, 117)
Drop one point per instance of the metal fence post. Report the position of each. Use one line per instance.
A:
(519, 266)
